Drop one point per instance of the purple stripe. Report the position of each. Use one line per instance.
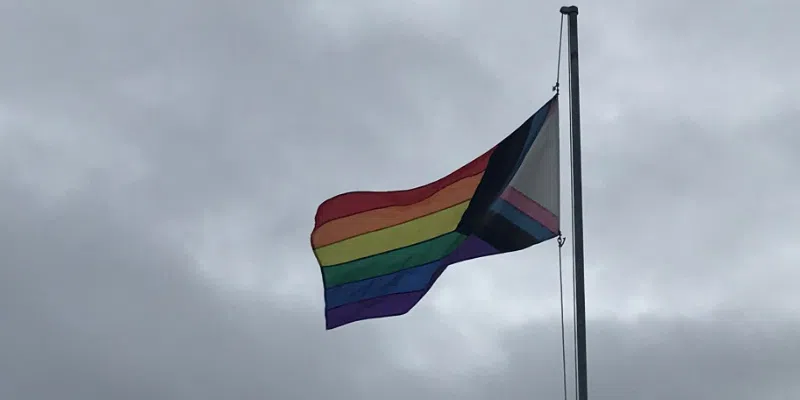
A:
(386, 306)
(401, 303)
(473, 247)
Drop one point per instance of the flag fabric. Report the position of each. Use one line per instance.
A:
(380, 252)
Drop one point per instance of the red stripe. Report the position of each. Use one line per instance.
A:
(352, 203)
(531, 208)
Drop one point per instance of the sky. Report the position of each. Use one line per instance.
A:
(161, 163)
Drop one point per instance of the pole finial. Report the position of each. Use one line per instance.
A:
(569, 10)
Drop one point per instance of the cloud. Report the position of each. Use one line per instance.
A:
(96, 306)
(160, 164)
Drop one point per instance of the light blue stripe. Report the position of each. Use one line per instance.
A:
(526, 223)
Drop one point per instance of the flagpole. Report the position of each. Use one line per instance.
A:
(577, 202)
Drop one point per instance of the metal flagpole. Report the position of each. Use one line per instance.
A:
(577, 202)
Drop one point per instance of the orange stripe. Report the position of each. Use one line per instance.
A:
(352, 203)
(372, 220)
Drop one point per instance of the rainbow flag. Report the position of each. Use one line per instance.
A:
(380, 252)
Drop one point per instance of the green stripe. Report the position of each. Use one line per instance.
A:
(392, 261)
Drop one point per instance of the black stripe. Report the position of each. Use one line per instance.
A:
(498, 172)
(503, 235)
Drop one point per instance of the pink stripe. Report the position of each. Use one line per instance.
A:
(531, 208)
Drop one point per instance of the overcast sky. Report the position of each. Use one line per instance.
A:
(161, 163)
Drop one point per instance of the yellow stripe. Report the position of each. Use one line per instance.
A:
(395, 237)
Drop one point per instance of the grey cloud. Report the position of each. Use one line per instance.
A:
(699, 213)
(138, 139)
(125, 319)
(726, 356)
(95, 307)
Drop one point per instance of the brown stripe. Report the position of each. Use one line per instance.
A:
(373, 220)
(351, 203)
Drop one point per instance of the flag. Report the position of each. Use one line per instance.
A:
(380, 252)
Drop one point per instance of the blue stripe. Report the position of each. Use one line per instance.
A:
(526, 223)
(407, 280)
